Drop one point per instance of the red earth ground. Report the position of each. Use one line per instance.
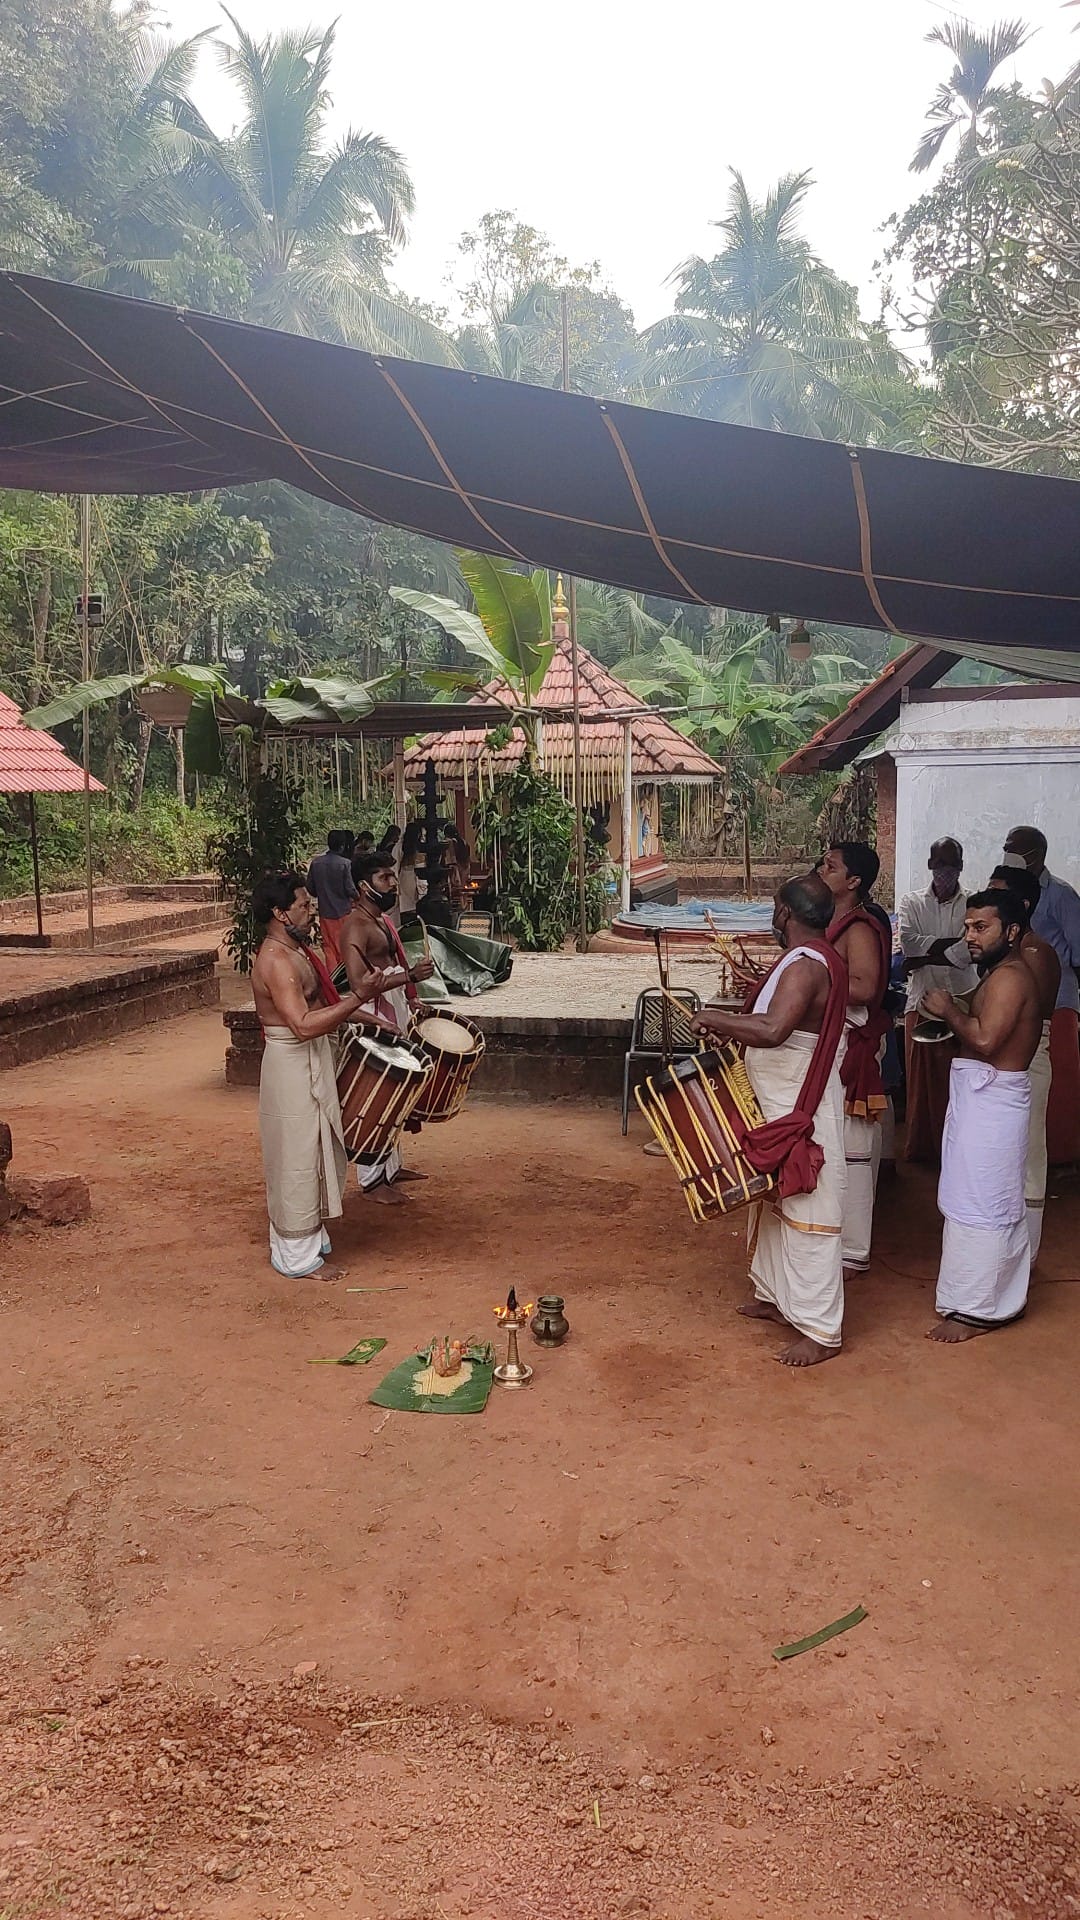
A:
(273, 1652)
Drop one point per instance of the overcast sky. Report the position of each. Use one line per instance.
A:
(615, 137)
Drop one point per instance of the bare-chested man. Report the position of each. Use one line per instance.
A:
(370, 942)
(1046, 967)
(985, 1250)
(299, 1115)
(795, 1262)
(864, 943)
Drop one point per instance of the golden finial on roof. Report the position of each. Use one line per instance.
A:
(559, 608)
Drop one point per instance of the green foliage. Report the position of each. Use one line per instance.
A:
(513, 309)
(159, 842)
(511, 628)
(960, 104)
(532, 825)
(259, 836)
(765, 334)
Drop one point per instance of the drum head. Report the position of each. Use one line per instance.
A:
(445, 1036)
(387, 1053)
(930, 1033)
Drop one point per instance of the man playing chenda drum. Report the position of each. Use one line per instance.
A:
(793, 1035)
(369, 940)
(299, 1114)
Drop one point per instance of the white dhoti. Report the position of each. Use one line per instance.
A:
(985, 1250)
(862, 1153)
(304, 1158)
(795, 1244)
(1039, 1073)
(396, 1001)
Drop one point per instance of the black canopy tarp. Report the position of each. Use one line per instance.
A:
(106, 395)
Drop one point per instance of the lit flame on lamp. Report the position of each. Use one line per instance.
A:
(513, 1372)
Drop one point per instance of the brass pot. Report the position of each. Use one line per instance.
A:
(549, 1325)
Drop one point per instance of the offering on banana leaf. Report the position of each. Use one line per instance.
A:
(446, 1355)
(450, 1376)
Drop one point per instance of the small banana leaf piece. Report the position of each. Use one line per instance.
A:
(818, 1639)
(357, 1356)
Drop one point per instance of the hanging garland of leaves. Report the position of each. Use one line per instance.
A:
(525, 828)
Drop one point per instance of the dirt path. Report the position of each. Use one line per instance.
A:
(543, 1607)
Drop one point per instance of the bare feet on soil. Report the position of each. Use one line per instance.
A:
(806, 1353)
(950, 1332)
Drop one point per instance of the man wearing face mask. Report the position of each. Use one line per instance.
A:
(793, 1034)
(299, 1113)
(931, 928)
(985, 1248)
(370, 944)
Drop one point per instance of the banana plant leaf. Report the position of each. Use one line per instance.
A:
(202, 739)
(515, 615)
(464, 627)
(77, 700)
(194, 679)
(305, 698)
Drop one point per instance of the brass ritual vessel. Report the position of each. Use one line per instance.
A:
(513, 1372)
(549, 1325)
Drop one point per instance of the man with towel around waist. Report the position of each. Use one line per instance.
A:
(1056, 919)
(793, 1032)
(861, 933)
(985, 1250)
(1039, 955)
(299, 1115)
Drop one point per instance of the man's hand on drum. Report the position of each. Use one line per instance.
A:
(938, 1003)
(710, 1020)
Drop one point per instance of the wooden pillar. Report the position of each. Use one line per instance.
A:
(627, 813)
(37, 868)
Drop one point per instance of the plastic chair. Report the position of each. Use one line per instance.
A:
(647, 1033)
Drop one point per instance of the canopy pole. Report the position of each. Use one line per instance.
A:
(37, 869)
(579, 804)
(400, 803)
(627, 813)
(84, 623)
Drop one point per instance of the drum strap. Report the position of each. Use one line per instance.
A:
(411, 994)
(864, 1089)
(330, 995)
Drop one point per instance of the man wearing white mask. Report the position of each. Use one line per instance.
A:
(931, 930)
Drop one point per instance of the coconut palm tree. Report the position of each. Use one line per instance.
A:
(313, 228)
(764, 334)
(963, 100)
(512, 342)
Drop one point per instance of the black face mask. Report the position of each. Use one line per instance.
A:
(384, 901)
(302, 935)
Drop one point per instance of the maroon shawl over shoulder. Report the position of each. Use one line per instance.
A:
(786, 1146)
(864, 1089)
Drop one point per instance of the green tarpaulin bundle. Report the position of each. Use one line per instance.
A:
(465, 963)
